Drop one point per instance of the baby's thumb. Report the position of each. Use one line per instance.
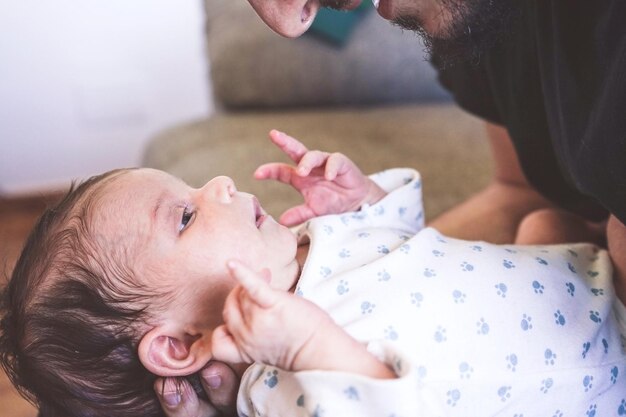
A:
(224, 347)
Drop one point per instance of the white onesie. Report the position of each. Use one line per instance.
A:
(471, 329)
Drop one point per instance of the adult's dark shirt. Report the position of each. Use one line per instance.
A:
(558, 84)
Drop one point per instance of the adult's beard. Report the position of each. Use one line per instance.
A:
(335, 4)
(470, 29)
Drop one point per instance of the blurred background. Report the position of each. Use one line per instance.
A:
(84, 83)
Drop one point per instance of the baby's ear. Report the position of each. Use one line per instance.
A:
(167, 352)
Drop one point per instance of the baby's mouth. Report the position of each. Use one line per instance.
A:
(259, 213)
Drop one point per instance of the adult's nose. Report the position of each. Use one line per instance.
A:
(289, 18)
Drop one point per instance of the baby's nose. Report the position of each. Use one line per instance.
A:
(222, 188)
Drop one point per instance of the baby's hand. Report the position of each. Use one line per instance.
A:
(265, 325)
(329, 182)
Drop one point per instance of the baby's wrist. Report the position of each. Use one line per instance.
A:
(374, 194)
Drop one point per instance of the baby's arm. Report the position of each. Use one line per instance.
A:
(329, 182)
(281, 329)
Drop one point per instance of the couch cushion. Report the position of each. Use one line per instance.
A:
(445, 144)
(251, 66)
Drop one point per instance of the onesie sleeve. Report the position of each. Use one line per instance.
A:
(269, 391)
(402, 208)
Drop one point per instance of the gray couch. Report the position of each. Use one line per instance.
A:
(375, 99)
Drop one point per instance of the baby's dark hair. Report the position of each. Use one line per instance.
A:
(68, 333)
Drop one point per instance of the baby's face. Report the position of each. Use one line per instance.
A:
(181, 239)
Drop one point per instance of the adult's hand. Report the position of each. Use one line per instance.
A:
(220, 383)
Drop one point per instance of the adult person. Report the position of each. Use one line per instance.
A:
(548, 79)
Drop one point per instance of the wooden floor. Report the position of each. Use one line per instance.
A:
(17, 217)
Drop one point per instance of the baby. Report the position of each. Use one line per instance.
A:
(361, 311)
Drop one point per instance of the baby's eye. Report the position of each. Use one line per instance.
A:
(185, 219)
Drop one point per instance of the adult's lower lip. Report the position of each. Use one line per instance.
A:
(385, 9)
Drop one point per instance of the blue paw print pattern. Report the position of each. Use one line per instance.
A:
(592, 274)
(605, 345)
(379, 211)
(458, 297)
(367, 307)
(328, 229)
(508, 264)
(272, 379)
(401, 211)
(501, 289)
(342, 287)
(597, 291)
(352, 393)
(467, 267)
(541, 261)
(538, 287)
(594, 316)
(383, 249)
(344, 253)
(318, 412)
(591, 412)
(405, 248)
(482, 328)
(417, 298)
(558, 413)
(383, 275)
(325, 271)
(465, 370)
(614, 374)
(422, 372)
(587, 382)
(526, 323)
(391, 333)
(363, 235)
(509, 250)
(454, 395)
(511, 362)
(621, 410)
(586, 347)
(546, 384)
(559, 318)
(300, 401)
(504, 393)
(438, 253)
(570, 288)
(429, 273)
(571, 267)
(440, 335)
(359, 215)
(476, 248)
(549, 357)
(440, 239)
(574, 254)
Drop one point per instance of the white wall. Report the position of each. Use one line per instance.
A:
(84, 84)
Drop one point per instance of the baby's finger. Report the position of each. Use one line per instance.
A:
(291, 146)
(311, 160)
(256, 286)
(296, 215)
(275, 171)
(336, 164)
(224, 347)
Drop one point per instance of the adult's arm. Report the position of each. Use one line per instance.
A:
(179, 399)
(494, 213)
(616, 239)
